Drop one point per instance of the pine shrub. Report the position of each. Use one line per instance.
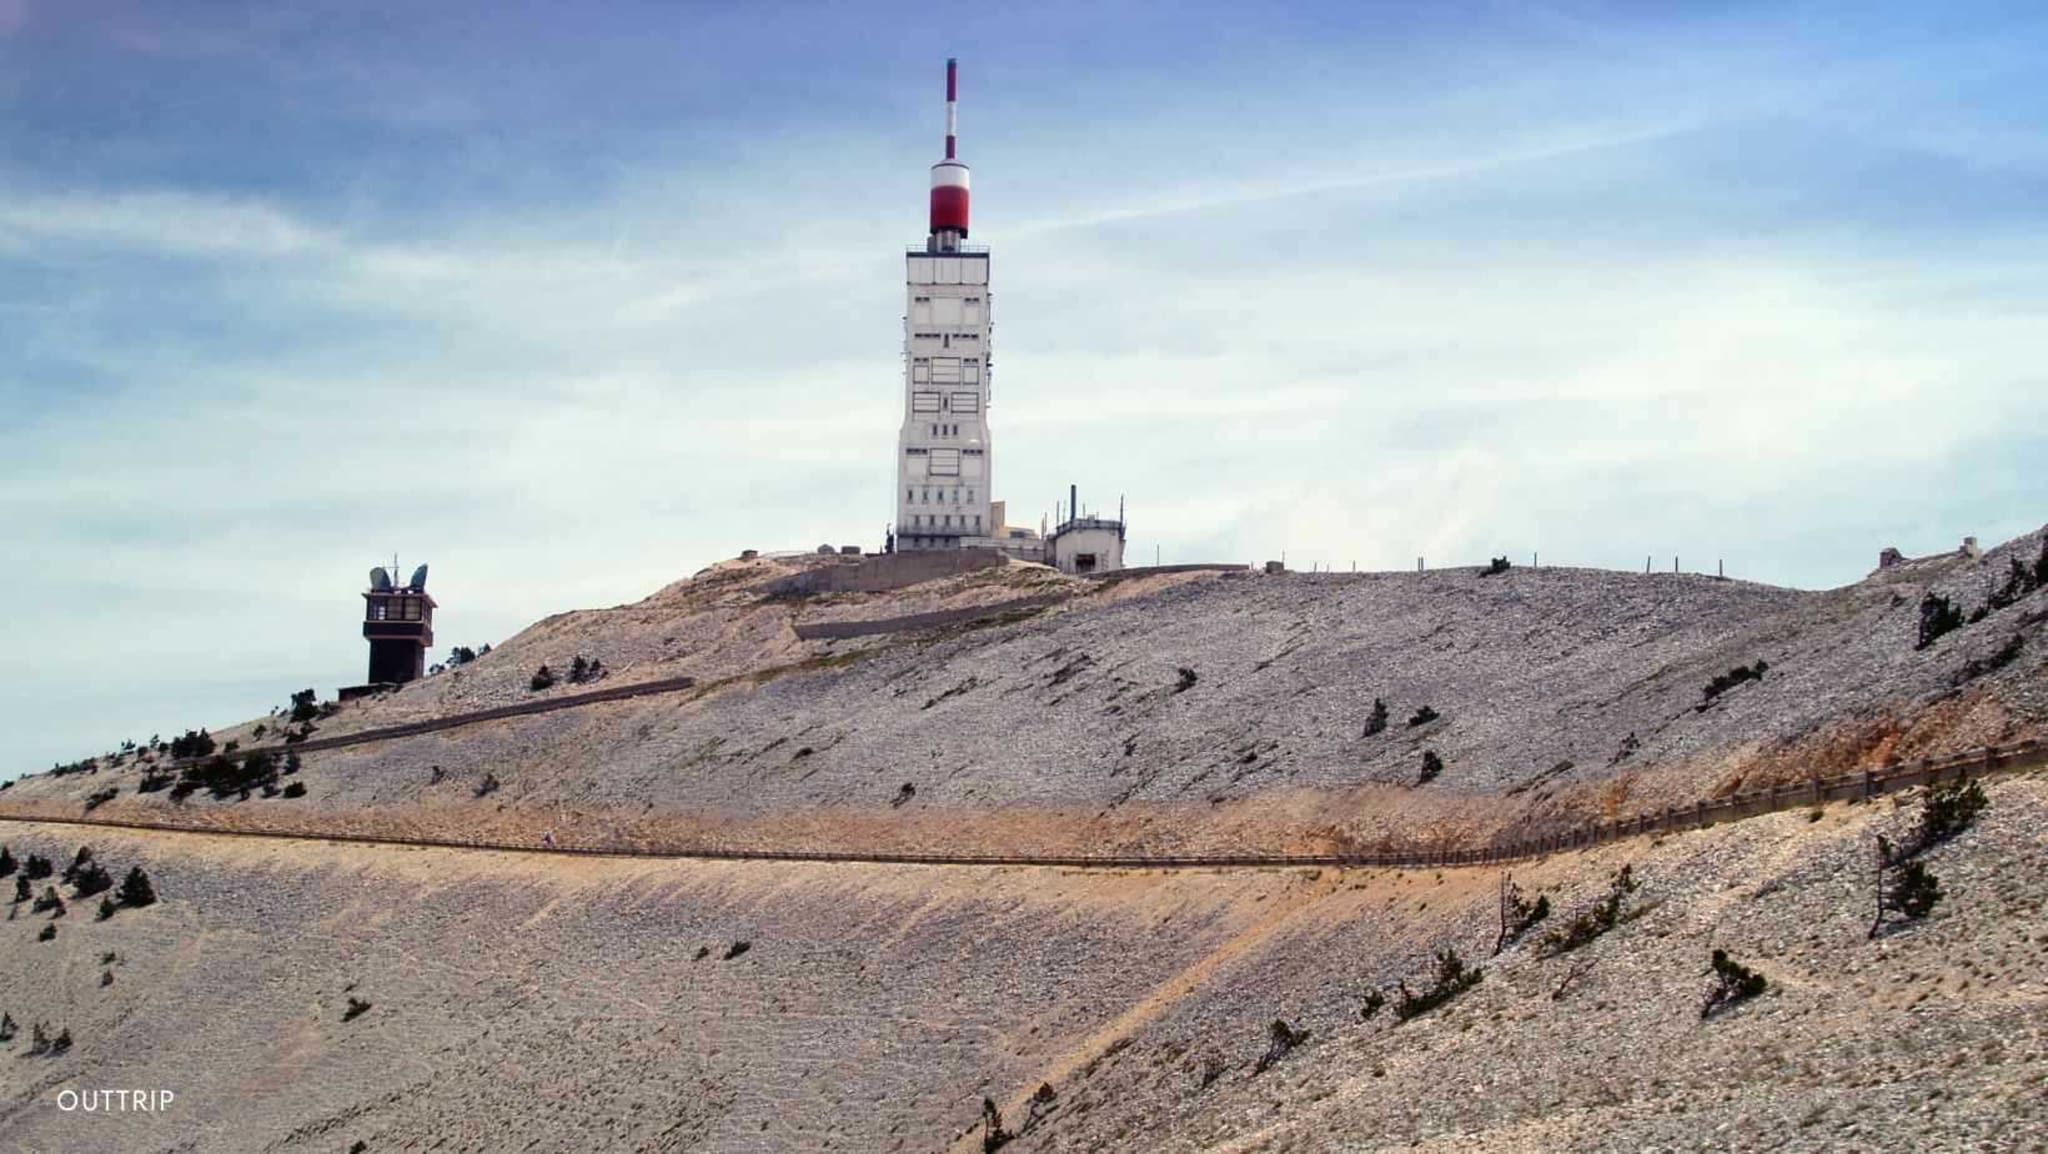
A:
(1281, 1039)
(90, 880)
(1518, 915)
(993, 1136)
(1453, 977)
(1377, 723)
(1947, 810)
(1432, 765)
(1938, 615)
(1589, 924)
(136, 891)
(1733, 982)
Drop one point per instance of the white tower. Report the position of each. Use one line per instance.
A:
(943, 466)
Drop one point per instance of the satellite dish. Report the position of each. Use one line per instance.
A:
(418, 584)
(380, 581)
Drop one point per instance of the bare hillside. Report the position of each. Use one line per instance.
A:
(533, 1002)
(1180, 711)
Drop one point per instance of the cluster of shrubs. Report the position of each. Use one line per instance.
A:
(195, 743)
(41, 1043)
(1940, 616)
(582, 669)
(1496, 568)
(458, 657)
(86, 876)
(1377, 721)
(222, 776)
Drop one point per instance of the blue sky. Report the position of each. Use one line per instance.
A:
(571, 300)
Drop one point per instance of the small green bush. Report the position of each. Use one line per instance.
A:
(295, 789)
(488, 786)
(7, 863)
(543, 678)
(49, 933)
(1423, 716)
(356, 1009)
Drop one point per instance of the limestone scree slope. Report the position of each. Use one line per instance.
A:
(1181, 712)
(537, 1002)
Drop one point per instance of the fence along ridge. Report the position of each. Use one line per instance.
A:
(1756, 803)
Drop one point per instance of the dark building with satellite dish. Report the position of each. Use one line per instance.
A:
(399, 623)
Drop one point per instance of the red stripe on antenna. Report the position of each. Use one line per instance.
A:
(952, 81)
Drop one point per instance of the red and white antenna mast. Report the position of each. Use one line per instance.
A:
(949, 176)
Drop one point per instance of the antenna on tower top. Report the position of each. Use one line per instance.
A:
(952, 105)
(949, 176)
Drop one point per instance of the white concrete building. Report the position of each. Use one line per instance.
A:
(943, 464)
(1084, 542)
(1088, 545)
